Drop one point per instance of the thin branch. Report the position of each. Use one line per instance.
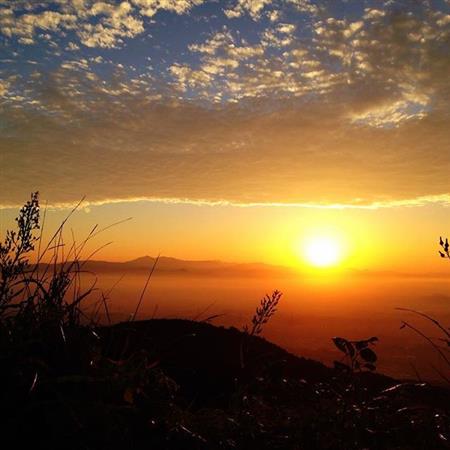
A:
(441, 374)
(406, 324)
(61, 226)
(426, 316)
(133, 317)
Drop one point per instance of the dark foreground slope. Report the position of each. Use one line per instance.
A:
(208, 361)
(176, 384)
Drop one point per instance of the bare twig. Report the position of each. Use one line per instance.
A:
(426, 316)
(420, 333)
(133, 317)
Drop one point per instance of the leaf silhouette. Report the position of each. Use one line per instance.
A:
(340, 343)
(368, 355)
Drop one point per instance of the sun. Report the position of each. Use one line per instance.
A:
(322, 251)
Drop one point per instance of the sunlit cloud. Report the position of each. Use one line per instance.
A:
(95, 23)
(86, 204)
(306, 107)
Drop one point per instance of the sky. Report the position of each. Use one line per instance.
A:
(232, 129)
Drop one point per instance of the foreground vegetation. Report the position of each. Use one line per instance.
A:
(67, 382)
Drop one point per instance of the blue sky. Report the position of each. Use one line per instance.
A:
(246, 101)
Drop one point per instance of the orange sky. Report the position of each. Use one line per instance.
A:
(233, 130)
(402, 239)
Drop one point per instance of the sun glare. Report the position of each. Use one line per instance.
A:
(322, 251)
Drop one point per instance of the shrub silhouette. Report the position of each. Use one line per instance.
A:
(358, 354)
(266, 309)
(40, 295)
(14, 250)
(445, 252)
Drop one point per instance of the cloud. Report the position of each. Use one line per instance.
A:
(255, 8)
(150, 7)
(26, 24)
(316, 110)
(116, 23)
(299, 153)
(85, 204)
(4, 84)
(104, 24)
(252, 7)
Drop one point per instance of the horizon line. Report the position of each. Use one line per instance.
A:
(288, 268)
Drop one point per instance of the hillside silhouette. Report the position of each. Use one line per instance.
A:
(178, 384)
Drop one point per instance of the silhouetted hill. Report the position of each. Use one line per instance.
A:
(178, 384)
(205, 360)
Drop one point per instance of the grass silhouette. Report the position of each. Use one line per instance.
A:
(68, 382)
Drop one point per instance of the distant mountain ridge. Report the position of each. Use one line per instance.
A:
(170, 265)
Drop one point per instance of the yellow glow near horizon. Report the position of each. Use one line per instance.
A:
(322, 251)
(371, 241)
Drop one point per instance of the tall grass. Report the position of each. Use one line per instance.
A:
(47, 292)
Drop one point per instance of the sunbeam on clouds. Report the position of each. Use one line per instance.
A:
(242, 102)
